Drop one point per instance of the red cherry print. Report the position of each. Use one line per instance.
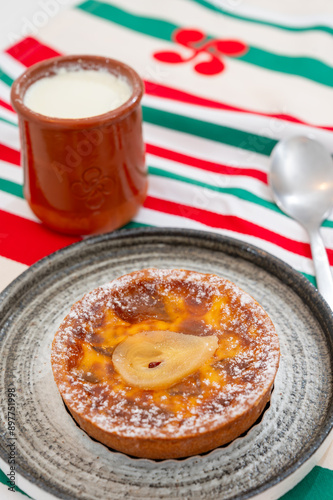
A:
(191, 39)
(230, 47)
(212, 67)
(188, 37)
(169, 57)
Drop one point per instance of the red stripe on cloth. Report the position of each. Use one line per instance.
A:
(6, 105)
(204, 164)
(231, 223)
(158, 90)
(30, 51)
(26, 241)
(165, 92)
(10, 155)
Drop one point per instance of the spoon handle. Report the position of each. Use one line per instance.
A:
(322, 267)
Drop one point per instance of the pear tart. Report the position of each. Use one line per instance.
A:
(166, 363)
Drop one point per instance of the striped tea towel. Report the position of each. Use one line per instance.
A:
(223, 85)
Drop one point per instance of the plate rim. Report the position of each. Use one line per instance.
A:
(237, 248)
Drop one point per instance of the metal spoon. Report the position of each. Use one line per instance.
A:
(301, 178)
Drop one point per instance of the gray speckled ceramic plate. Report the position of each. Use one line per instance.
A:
(54, 454)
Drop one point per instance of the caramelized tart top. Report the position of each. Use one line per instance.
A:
(237, 362)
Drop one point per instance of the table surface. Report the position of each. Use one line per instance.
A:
(20, 18)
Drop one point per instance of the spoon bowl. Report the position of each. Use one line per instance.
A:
(301, 179)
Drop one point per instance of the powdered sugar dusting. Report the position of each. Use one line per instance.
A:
(242, 370)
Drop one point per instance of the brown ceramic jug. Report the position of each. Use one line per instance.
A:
(85, 175)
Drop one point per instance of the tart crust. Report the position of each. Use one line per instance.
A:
(205, 410)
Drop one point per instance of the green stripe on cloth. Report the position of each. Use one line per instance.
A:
(305, 67)
(8, 122)
(133, 225)
(215, 8)
(146, 25)
(327, 223)
(242, 194)
(3, 480)
(11, 187)
(226, 135)
(311, 278)
(237, 192)
(5, 78)
(17, 190)
(220, 133)
(316, 485)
